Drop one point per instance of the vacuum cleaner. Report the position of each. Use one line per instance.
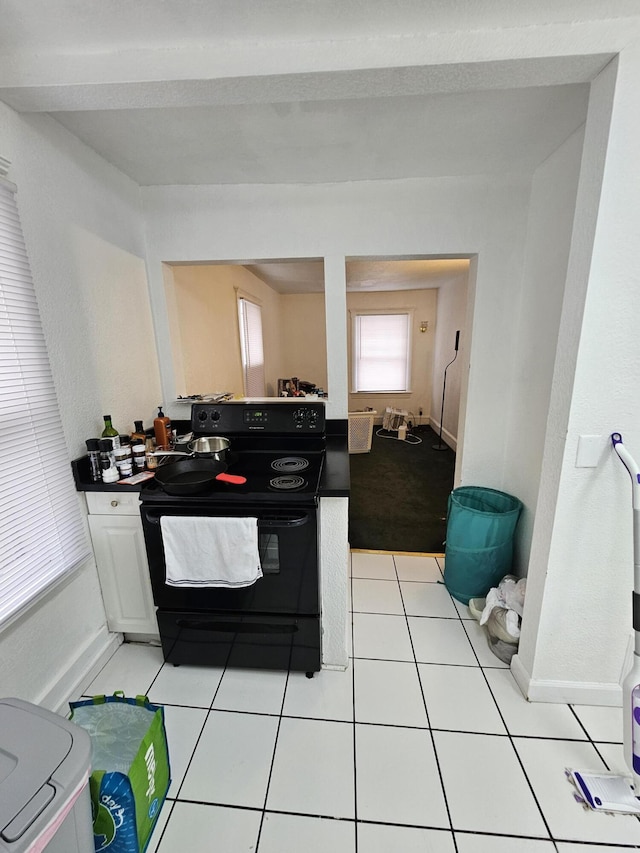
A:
(609, 791)
(631, 683)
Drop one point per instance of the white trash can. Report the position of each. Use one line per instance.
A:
(45, 760)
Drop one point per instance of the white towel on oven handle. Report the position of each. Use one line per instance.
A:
(206, 552)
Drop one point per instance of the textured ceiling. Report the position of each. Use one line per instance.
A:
(486, 132)
(283, 91)
(362, 275)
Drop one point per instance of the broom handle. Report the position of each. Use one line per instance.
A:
(634, 472)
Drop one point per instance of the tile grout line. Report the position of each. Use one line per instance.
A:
(509, 735)
(209, 711)
(426, 710)
(353, 711)
(589, 738)
(173, 801)
(595, 746)
(273, 758)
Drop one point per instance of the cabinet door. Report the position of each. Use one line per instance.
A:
(121, 558)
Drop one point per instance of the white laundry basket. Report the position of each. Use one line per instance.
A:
(360, 431)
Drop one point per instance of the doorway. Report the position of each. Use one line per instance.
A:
(413, 308)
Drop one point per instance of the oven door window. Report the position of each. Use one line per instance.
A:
(269, 550)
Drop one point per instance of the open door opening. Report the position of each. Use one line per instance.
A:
(405, 315)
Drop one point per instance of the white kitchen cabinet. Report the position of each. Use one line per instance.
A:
(121, 558)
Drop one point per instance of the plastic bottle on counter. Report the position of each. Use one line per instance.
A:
(162, 429)
(93, 452)
(111, 432)
(138, 457)
(108, 461)
(124, 457)
(152, 461)
(138, 436)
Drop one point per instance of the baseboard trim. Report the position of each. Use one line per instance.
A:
(81, 671)
(565, 692)
(447, 437)
(401, 553)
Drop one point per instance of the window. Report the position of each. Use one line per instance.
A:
(381, 355)
(250, 315)
(42, 535)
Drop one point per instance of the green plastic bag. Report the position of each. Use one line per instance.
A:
(478, 552)
(130, 768)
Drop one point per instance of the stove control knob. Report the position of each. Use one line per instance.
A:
(215, 415)
(202, 416)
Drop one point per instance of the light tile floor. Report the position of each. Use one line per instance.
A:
(424, 744)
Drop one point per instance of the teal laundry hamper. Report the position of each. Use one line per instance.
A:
(479, 545)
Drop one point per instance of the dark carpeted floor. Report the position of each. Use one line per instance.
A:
(399, 494)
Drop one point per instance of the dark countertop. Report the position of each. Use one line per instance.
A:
(335, 480)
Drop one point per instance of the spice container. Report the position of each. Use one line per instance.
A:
(108, 461)
(138, 456)
(152, 461)
(93, 452)
(124, 460)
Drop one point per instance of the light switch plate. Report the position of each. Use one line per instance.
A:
(590, 450)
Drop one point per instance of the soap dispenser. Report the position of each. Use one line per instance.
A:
(162, 429)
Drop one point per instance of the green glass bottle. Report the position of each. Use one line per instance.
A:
(109, 431)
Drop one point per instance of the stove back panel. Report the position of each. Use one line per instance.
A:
(241, 418)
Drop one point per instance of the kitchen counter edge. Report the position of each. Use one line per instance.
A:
(334, 482)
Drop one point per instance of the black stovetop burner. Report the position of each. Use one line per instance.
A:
(290, 464)
(287, 483)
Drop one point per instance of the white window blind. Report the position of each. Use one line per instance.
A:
(381, 352)
(250, 315)
(42, 534)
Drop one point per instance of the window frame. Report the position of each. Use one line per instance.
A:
(356, 313)
(43, 535)
(244, 318)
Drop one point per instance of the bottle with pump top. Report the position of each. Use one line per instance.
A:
(162, 429)
(111, 432)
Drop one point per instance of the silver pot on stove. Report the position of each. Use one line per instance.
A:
(213, 447)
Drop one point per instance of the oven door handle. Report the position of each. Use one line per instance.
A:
(220, 626)
(264, 521)
(283, 520)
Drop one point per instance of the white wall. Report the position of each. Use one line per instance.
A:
(303, 337)
(83, 230)
(551, 211)
(205, 334)
(441, 216)
(451, 313)
(582, 542)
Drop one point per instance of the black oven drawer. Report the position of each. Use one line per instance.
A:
(255, 642)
